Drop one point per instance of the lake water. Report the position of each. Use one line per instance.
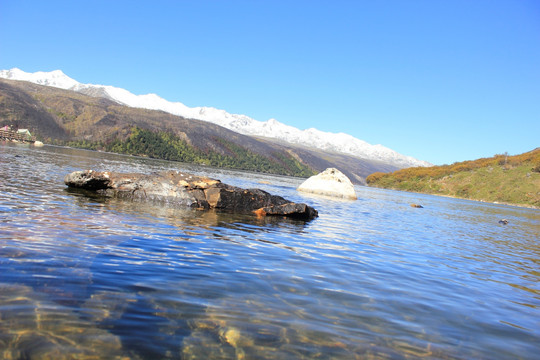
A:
(87, 277)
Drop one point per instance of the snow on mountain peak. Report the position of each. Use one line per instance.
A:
(334, 142)
(54, 78)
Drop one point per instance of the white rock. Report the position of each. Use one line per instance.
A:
(331, 182)
(38, 143)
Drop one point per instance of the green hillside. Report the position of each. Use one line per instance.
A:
(501, 178)
(167, 146)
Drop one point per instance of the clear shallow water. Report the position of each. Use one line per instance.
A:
(89, 277)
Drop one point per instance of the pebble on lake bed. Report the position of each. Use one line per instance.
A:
(36, 327)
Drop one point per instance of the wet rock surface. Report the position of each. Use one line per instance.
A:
(188, 190)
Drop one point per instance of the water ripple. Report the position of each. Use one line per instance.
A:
(373, 278)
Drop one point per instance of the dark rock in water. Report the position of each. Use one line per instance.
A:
(188, 190)
(503, 221)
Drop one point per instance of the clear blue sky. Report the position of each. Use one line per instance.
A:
(442, 81)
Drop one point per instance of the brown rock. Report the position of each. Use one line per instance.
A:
(188, 190)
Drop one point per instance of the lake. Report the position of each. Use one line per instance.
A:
(99, 278)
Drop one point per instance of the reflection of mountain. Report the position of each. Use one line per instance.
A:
(61, 115)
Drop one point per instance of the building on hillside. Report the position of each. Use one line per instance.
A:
(25, 133)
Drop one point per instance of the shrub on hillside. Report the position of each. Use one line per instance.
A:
(373, 178)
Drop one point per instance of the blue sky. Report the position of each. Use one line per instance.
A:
(442, 81)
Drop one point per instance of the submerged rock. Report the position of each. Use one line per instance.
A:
(251, 328)
(33, 327)
(188, 190)
(331, 182)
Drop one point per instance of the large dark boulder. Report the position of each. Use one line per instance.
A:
(187, 190)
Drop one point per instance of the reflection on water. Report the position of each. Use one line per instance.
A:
(88, 277)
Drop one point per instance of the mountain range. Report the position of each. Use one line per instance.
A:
(339, 143)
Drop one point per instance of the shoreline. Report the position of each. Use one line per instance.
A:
(300, 179)
(526, 206)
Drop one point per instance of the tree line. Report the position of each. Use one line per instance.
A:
(168, 146)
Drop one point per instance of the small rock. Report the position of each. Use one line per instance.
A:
(331, 182)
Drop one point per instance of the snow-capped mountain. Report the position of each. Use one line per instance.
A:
(313, 138)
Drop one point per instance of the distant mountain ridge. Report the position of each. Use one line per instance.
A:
(313, 138)
(70, 118)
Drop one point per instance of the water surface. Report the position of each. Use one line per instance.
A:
(90, 277)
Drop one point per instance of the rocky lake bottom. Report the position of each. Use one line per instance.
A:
(89, 277)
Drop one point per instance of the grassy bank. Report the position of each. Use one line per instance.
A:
(504, 179)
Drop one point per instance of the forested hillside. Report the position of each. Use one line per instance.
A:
(167, 146)
(501, 178)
